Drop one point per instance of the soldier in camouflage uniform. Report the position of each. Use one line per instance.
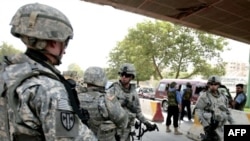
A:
(126, 94)
(212, 110)
(31, 88)
(106, 113)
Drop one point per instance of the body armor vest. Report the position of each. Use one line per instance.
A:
(187, 94)
(99, 123)
(172, 98)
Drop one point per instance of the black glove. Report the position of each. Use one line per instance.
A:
(214, 124)
(150, 126)
(207, 129)
(210, 134)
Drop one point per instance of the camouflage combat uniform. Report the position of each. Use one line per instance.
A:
(106, 113)
(213, 112)
(38, 106)
(129, 100)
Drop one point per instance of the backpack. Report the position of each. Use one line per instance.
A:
(187, 94)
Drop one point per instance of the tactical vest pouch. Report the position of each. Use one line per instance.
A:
(207, 115)
(106, 131)
(4, 127)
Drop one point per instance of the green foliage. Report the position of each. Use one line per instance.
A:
(6, 50)
(247, 109)
(77, 68)
(155, 47)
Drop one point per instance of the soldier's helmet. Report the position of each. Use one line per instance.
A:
(41, 22)
(128, 69)
(95, 76)
(214, 79)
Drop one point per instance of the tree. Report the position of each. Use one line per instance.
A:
(156, 46)
(77, 68)
(6, 50)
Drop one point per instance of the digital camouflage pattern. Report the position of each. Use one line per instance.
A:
(95, 76)
(130, 102)
(80, 87)
(218, 104)
(41, 22)
(39, 107)
(106, 113)
(43, 105)
(127, 68)
(214, 79)
(213, 106)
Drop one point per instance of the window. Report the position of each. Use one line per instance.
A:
(162, 87)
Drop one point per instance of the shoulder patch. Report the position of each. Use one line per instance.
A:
(68, 120)
(110, 97)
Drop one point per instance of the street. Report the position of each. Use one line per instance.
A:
(162, 135)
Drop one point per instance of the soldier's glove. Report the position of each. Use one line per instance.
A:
(150, 126)
(208, 129)
(214, 124)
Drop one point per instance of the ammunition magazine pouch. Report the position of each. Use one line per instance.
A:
(106, 131)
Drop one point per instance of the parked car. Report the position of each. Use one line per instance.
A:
(146, 92)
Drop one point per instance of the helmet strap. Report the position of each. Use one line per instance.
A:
(57, 57)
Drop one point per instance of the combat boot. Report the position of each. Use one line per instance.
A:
(168, 129)
(177, 132)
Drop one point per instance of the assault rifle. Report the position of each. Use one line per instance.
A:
(141, 130)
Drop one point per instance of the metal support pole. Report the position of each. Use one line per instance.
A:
(248, 84)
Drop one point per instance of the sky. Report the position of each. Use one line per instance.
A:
(97, 29)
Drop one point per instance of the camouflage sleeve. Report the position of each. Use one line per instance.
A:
(110, 91)
(116, 113)
(44, 105)
(137, 106)
(203, 116)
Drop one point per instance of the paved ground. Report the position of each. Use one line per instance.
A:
(161, 135)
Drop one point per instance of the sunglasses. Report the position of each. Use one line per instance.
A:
(214, 84)
(66, 42)
(126, 75)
